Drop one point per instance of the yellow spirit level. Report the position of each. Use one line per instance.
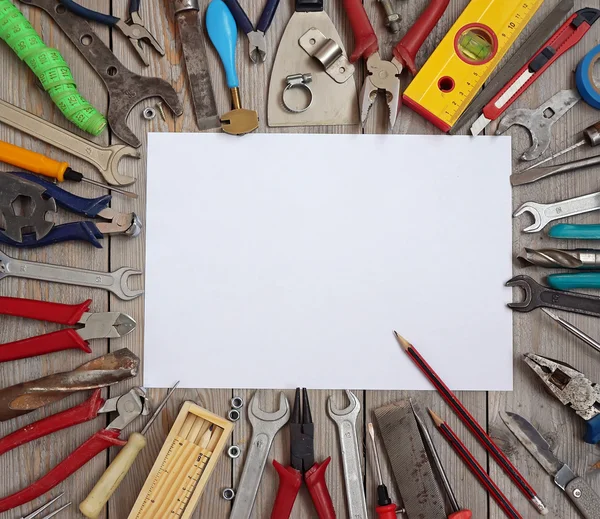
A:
(466, 57)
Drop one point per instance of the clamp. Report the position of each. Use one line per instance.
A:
(297, 81)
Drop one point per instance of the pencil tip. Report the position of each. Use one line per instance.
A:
(436, 419)
(403, 342)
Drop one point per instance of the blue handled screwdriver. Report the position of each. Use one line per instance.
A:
(222, 32)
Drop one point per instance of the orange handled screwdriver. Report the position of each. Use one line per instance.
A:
(42, 165)
(385, 509)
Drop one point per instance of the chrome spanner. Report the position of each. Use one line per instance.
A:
(264, 428)
(115, 282)
(104, 158)
(346, 423)
(543, 214)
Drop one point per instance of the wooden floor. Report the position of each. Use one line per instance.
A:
(532, 332)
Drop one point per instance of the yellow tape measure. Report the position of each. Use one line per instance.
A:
(466, 57)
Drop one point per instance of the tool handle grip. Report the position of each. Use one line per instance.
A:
(60, 340)
(570, 231)
(386, 512)
(584, 497)
(461, 514)
(43, 310)
(240, 16)
(406, 49)
(266, 18)
(365, 39)
(90, 207)
(84, 412)
(578, 280)
(93, 504)
(222, 32)
(290, 481)
(308, 6)
(32, 161)
(134, 6)
(592, 432)
(88, 14)
(317, 487)
(74, 231)
(78, 458)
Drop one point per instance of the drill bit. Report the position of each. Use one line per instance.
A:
(573, 329)
(560, 258)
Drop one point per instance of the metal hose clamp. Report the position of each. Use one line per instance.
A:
(297, 81)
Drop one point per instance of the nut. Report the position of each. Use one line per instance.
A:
(228, 494)
(237, 402)
(234, 415)
(234, 452)
(149, 113)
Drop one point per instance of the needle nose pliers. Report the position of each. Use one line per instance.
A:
(302, 466)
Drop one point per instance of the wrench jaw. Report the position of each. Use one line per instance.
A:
(4, 264)
(352, 409)
(535, 210)
(257, 416)
(121, 288)
(524, 283)
(111, 173)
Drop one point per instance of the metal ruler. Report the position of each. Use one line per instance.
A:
(466, 57)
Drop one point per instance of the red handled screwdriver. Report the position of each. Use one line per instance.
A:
(386, 509)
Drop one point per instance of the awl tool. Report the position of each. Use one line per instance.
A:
(538, 173)
(39, 510)
(566, 37)
(385, 508)
(581, 494)
(592, 343)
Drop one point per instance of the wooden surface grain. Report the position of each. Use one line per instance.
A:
(532, 332)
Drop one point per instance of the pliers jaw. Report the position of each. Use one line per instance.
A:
(302, 433)
(137, 34)
(382, 75)
(105, 325)
(132, 404)
(257, 46)
(567, 384)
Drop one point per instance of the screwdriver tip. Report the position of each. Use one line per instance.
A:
(403, 342)
(550, 313)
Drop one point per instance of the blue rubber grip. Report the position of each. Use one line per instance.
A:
(75, 231)
(88, 14)
(267, 15)
(584, 78)
(239, 15)
(87, 206)
(574, 281)
(222, 32)
(571, 231)
(592, 433)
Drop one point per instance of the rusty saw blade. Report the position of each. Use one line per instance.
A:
(414, 477)
(196, 63)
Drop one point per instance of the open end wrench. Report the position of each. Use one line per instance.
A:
(543, 214)
(105, 158)
(115, 282)
(346, 423)
(264, 428)
(125, 89)
(539, 122)
(538, 296)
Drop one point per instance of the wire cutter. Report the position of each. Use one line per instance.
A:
(102, 325)
(572, 388)
(129, 406)
(302, 466)
(133, 29)
(256, 37)
(23, 184)
(382, 74)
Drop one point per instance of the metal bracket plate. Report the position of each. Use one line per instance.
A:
(328, 53)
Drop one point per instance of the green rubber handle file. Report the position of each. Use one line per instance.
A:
(50, 68)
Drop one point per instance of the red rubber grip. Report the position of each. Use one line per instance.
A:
(43, 311)
(386, 512)
(566, 37)
(78, 458)
(406, 49)
(84, 412)
(317, 486)
(290, 481)
(60, 340)
(365, 40)
(461, 514)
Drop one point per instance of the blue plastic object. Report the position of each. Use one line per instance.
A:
(222, 32)
(584, 78)
(571, 231)
(592, 433)
(88, 14)
(75, 231)
(574, 281)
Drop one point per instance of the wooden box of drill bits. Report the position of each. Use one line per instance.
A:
(184, 464)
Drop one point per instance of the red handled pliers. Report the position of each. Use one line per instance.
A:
(381, 74)
(104, 325)
(302, 466)
(129, 406)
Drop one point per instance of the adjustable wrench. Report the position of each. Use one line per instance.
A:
(346, 423)
(543, 214)
(115, 282)
(264, 428)
(104, 158)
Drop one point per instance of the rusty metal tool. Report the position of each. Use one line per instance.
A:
(100, 372)
(125, 89)
(187, 14)
(571, 328)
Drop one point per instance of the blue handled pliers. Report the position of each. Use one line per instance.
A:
(133, 28)
(572, 388)
(117, 223)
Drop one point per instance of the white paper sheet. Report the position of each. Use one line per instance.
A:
(276, 261)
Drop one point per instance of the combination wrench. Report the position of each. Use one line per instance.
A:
(543, 214)
(104, 158)
(115, 282)
(265, 427)
(346, 425)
